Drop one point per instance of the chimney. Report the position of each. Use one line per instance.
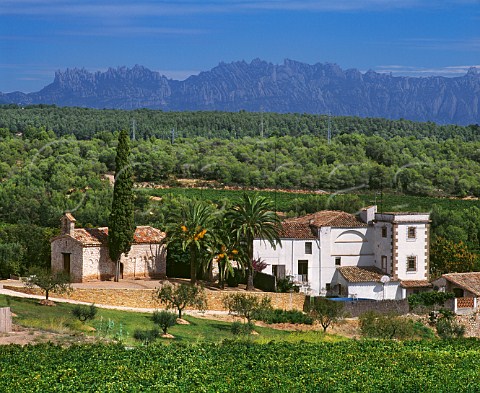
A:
(68, 224)
(367, 214)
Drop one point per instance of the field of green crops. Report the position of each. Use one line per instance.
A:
(242, 366)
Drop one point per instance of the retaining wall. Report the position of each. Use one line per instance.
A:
(144, 298)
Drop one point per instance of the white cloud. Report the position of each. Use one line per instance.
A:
(144, 8)
(425, 71)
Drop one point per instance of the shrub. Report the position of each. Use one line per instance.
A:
(285, 285)
(164, 319)
(375, 325)
(238, 277)
(239, 328)
(85, 313)
(429, 299)
(146, 336)
(448, 328)
(282, 316)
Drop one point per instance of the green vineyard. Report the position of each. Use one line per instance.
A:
(242, 366)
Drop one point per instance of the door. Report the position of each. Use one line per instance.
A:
(66, 262)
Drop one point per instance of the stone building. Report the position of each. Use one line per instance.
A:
(83, 253)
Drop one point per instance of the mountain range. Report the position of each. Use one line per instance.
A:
(261, 86)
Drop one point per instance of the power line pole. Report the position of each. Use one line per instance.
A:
(329, 129)
(133, 129)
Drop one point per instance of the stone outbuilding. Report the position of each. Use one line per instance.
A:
(83, 253)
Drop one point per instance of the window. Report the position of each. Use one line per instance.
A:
(308, 247)
(458, 292)
(384, 262)
(66, 263)
(384, 231)
(303, 271)
(278, 271)
(328, 286)
(338, 261)
(411, 264)
(412, 233)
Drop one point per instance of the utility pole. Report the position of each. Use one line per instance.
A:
(329, 129)
(133, 129)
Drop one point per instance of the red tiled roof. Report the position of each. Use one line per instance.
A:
(306, 227)
(469, 281)
(99, 236)
(415, 284)
(361, 274)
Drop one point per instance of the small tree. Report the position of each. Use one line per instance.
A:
(181, 296)
(245, 306)
(164, 319)
(48, 281)
(326, 312)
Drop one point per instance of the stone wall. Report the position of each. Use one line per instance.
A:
(68, 245)
(144, 298)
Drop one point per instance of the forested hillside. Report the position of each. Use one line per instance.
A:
(53, 161)
(85, 123)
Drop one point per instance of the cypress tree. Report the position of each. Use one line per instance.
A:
(121, 221)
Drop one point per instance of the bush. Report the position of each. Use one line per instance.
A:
(85, 313)
(448, 328)
(238, 277)
(146, 336)
(239, 328)
(164, 319)
(375, 325)
(282, 316)
(429, 299)
(285, 285)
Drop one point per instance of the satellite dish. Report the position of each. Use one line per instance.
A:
(385, 279)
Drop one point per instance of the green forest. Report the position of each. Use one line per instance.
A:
(58, 159)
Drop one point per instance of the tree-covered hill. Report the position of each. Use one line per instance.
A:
(52, 160)
(86, 123)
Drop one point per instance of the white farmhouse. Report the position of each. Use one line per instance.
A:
(373, 256)
(83, 253)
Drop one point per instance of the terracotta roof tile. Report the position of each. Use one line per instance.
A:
(99, 236)
(415, 284)
(469, 281)
(306, 227)
(361, 274)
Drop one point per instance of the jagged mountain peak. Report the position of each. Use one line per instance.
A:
(292, 86)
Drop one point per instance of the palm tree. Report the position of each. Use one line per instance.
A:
(192, 226)
(252, 219)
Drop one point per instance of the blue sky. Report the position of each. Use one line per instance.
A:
(180, 38)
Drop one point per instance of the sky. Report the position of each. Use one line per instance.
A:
(180, 38)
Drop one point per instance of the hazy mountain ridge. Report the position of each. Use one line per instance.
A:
(290, 87)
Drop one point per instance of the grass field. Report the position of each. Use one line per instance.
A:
(120, 325)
